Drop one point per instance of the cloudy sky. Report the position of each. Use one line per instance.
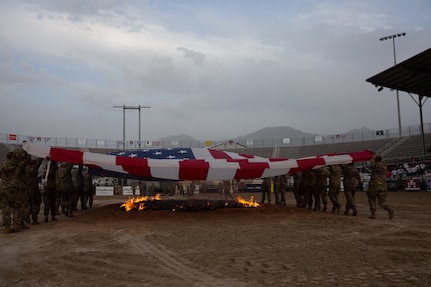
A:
(210, 69)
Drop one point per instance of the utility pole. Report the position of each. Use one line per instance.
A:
(124, 107)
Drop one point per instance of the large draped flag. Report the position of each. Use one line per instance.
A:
(191, 163)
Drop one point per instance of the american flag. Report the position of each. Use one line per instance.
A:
(172, 153)
(191, 163)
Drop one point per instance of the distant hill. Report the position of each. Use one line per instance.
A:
(275, 133)
(265, 133)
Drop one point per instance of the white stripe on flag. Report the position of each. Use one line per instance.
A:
(164, 168)
(202, 153)
(220, 169)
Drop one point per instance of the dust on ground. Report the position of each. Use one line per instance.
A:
(268, 246)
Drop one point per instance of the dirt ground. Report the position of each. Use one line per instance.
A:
(268, 246)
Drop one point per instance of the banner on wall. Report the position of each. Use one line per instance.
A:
(412, 184)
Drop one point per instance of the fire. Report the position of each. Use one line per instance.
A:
(155, 203)
(248, 203)
(139, 202)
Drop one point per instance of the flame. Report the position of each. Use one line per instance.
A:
(139, 202)
(248, 203)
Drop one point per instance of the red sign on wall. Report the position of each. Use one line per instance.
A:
(412, 185)
(12, 137)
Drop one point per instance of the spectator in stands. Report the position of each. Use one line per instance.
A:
(378, 187)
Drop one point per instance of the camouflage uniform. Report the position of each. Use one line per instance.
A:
(283, 189)
(378, 188)
(277, 185)
(49, 195)
(78, 184)
(24, 195)
(226, 188)
(66, 188)
(321, 195)
(296, 191)
(308, 185)
(32, 183)
(59, 187)
(351, 181)
(7, 210)
(266, 190)
(12, 190)
(89, 188)
(334, 186)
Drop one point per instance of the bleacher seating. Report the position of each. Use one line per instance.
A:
(408, 148)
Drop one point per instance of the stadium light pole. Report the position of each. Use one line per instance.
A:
(124, 107)
(393, 36)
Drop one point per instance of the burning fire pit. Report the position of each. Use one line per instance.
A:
(144, 203)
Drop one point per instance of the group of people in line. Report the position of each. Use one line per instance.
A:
(312, 188)
(26, 182)
(23, 188)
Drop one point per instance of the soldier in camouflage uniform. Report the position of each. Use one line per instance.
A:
(89, 188)
(266, 190)
(334, 186)
(283, 189)
(32, 183)
(321, 195)
(7, 192)
(277, 185)
(67, 189)
(24, 159)
(351, 182)
(78, 184)
(50, 192)
(226, 189)
(13, 192)
(307, 187)
(378, 187)
(296, 191)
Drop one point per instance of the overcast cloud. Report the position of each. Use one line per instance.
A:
(209, 69)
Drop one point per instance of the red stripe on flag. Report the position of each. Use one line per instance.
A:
(309, 163)
(218, 154)
(193, 170)
(361, 155)
(134, 166)
(246, 155)
(250, 170)
(66, 155)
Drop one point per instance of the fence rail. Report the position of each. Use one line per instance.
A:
(152, 144)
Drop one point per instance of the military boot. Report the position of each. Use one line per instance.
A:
(46, 218)
(23, 226)
(17, 227)
(355, 212)
(391, 213)
(373, 214)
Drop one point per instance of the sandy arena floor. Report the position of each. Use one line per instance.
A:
(268, 246)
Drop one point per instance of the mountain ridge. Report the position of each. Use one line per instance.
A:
(277, 132)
